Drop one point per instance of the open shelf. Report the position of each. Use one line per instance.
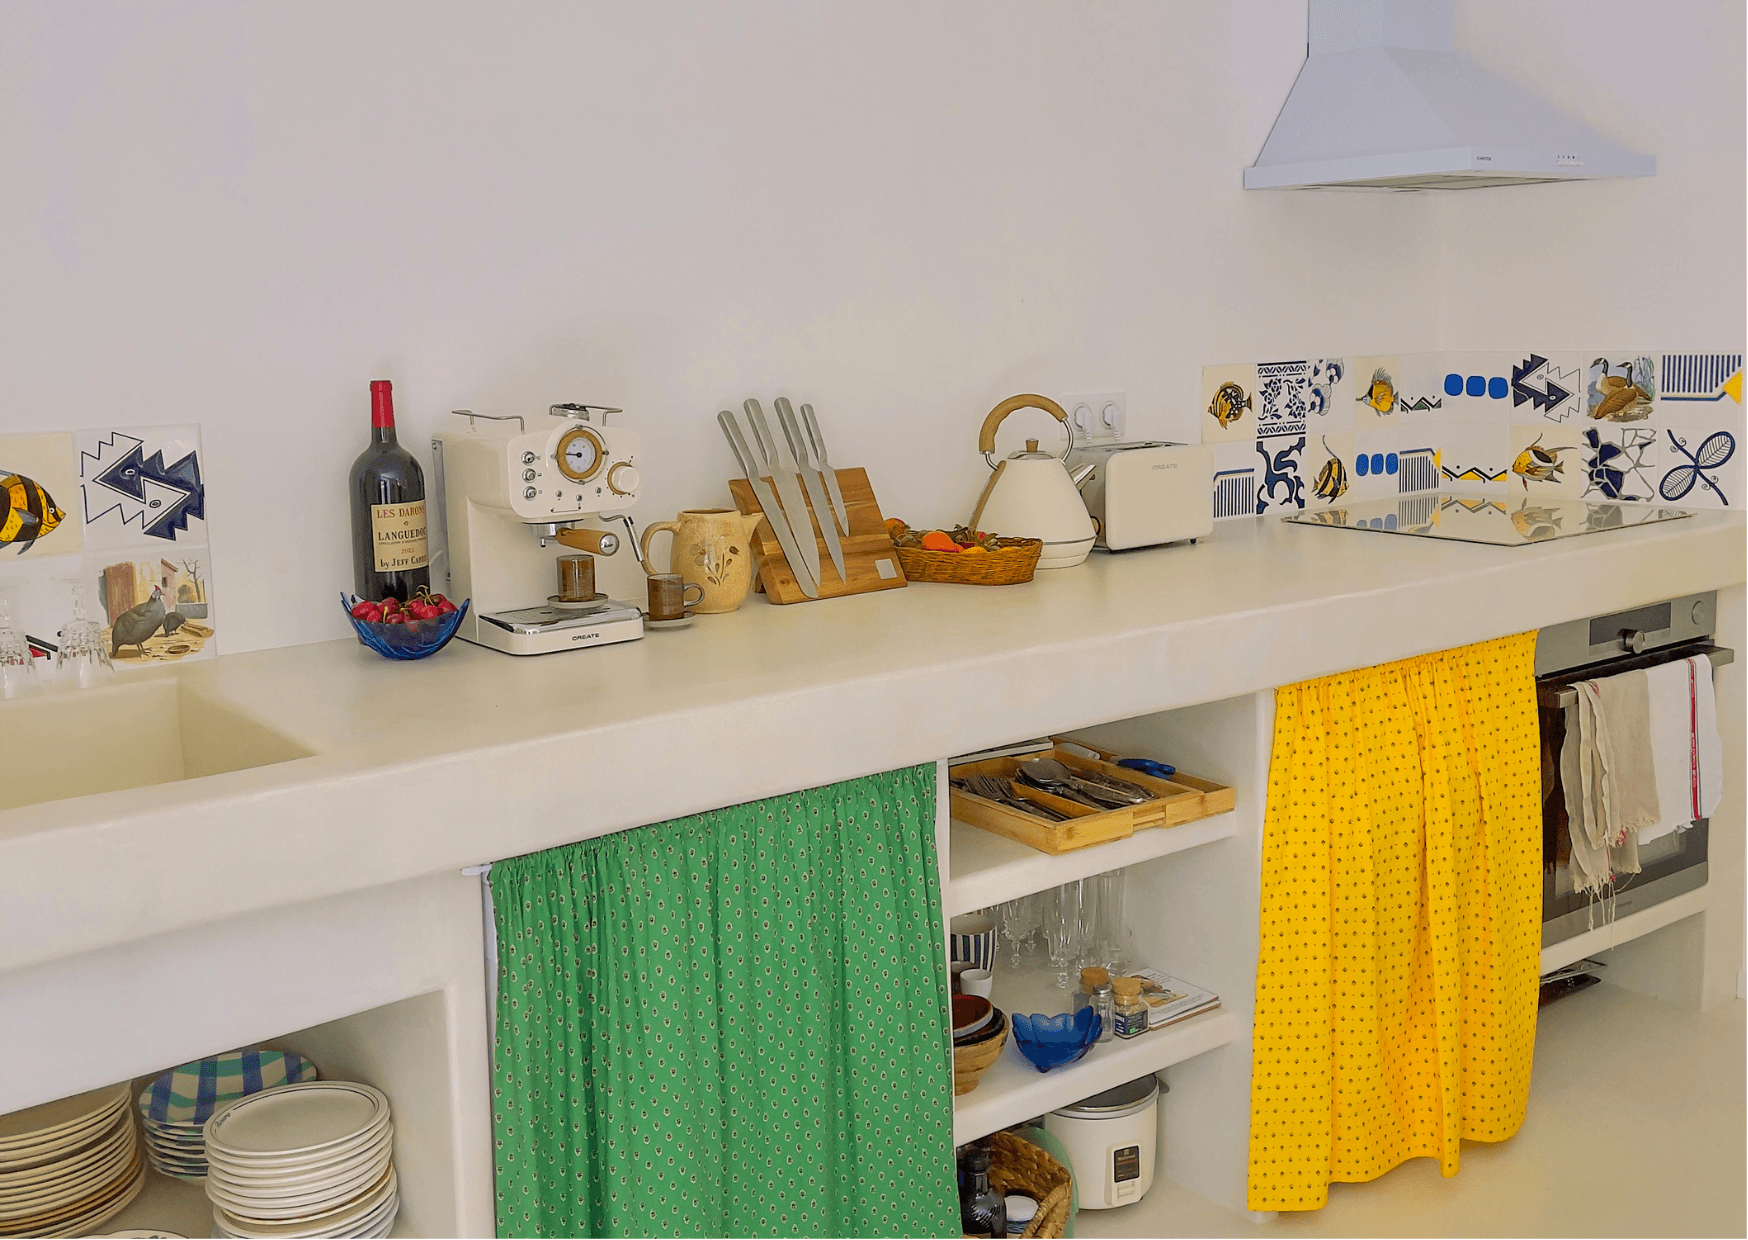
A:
(987, 868)
(168, 1204)
(1013, 1090)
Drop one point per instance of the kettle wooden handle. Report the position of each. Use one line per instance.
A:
(986, 436)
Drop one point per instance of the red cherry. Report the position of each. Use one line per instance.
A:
(362, 609)
(436, 600)
(390, 604)
(394, 617)
(373, 614)
(446, 607)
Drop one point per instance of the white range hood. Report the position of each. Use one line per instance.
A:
(1383, 102)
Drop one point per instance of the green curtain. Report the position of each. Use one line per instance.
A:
(730, 1024)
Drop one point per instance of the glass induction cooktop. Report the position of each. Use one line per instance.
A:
(1498, 521)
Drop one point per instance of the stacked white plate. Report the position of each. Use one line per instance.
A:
(303, 1160)
(174, 1108)
(68, 1165)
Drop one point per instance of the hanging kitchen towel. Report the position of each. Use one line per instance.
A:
(1589, 861)
(1624, 705)
(1686, 753)
(1401, 920)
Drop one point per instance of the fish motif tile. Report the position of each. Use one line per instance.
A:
(1329, 465)
(39, 498)
(1375, 385)
(1547, 460)
(1229, 404)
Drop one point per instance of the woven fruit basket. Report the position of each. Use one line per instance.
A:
(986, 560)
(1018, 1166)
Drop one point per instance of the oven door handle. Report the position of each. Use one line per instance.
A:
(1561, 696)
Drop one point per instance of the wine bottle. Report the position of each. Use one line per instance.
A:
(389, 552)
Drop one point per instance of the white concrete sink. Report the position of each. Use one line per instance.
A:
(127, 735)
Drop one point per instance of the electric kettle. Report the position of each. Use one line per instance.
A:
(1031, 494)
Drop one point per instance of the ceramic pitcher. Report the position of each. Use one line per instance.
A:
(711, 550)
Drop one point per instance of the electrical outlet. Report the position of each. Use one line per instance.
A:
(1097, 415)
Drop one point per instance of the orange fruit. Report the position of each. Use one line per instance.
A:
(935, 540)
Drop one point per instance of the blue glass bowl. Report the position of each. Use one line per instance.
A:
(416, 640)
(1051, 1041)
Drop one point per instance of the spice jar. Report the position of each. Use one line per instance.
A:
(1131, 1013)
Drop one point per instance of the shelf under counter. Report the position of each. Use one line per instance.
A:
(1013, 1090)
(987, 868)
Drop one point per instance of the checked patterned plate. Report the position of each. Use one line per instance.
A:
(188, 1095)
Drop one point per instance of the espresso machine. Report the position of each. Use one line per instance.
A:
(512, 498)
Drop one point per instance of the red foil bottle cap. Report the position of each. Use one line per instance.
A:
(382, 403)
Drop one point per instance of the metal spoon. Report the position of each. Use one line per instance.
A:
(1112, 793)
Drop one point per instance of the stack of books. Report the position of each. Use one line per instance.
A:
(1170, 999)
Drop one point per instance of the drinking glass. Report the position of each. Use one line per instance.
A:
(84, 655)
(1064, 931)
(17, 664)
(1104, 945)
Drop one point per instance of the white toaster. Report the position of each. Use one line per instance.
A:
(1146, 493)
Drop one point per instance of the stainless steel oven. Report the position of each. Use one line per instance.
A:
(1586, 650)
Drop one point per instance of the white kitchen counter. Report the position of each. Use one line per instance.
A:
(473, 756)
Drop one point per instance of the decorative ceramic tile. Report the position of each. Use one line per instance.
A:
(1375, 386)
(1476, 387)
(1620, 388)
(1547, 388)
(142, 487)
(1420, 390)
(1283, 397)
(1474, 456)
(128, 539)
(1699, 472)
(1546, 459)
(1235, 474)
(1418, 466)
(1700, 389)
(1328, 463)
(1377, 467)
(39, 490)
(1281, 480)
(1619, 462)
(1228, 404)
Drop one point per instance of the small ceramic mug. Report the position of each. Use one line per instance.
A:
(977, 982)
(972, 937)
(670, 595)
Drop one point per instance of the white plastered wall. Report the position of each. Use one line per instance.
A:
(905, 211)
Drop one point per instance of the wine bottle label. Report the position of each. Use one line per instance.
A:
(398, 531)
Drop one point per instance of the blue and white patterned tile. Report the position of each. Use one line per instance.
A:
(1235, 475)
(1228, 404)
(1620, 462)
(1476, 387)
(1699, 389)
(1302, 397)
(1700, 467)
(1547, 388)
(1281, 481)
(1377, 467)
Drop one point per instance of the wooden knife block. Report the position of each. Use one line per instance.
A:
(869, 561)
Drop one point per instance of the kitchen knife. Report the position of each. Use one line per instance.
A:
(812, 479)
(767, 501)
(789, 492)
(839, 510)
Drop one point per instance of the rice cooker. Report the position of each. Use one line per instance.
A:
(1112, 1140)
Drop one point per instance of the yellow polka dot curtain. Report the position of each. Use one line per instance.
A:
(1401, 920)
(730, 1024)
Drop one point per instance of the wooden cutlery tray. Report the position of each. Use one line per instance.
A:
(1182, 798)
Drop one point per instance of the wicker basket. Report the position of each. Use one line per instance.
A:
(1017, 1166)
(971, 1062)
(1008, 562)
